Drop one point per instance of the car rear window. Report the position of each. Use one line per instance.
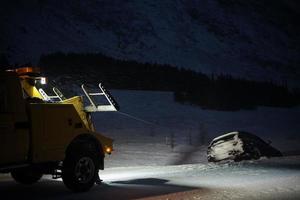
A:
(250, 137)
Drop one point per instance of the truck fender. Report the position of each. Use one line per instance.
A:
(87, 139)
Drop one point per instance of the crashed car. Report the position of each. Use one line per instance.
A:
(239, 145)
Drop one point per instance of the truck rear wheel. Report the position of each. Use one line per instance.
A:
(26, 176)
(80, 169)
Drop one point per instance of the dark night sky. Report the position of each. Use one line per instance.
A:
(251, 39)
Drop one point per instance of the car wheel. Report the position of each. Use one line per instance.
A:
(256, 154)
(80, 169)
(26, 176)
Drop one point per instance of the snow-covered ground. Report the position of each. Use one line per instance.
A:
(189, 127)
(276, 178)
(145, 164)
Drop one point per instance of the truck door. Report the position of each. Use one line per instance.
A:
(14, 128)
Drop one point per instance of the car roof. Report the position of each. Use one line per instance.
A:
(225, 135)
(240, 133)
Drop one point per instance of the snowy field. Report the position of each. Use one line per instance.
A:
(161, 154)
(172, 133)
(276, 178)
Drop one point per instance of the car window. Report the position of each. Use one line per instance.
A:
(228, 137)
(250, 138)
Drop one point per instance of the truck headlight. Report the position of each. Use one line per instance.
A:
(43, 80)
(108, 150)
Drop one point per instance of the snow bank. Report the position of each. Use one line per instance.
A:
(179, 134)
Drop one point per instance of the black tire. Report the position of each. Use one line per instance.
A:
(256, 154)
(80, 168)
(26, 176)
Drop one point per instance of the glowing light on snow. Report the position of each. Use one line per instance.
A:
(116, 176)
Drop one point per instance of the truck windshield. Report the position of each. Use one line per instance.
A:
(49, 92)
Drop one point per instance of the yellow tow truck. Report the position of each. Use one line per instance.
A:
(43, 133)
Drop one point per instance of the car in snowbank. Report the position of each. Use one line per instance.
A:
(239, 145)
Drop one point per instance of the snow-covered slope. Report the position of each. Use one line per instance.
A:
(179, 134)
(255, 40)
(144, 165)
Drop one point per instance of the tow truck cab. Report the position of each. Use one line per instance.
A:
(49, 134)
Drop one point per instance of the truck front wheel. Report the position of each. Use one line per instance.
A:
(26, 176)
(80, 169)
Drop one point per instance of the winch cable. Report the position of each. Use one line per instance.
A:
(137, 118)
